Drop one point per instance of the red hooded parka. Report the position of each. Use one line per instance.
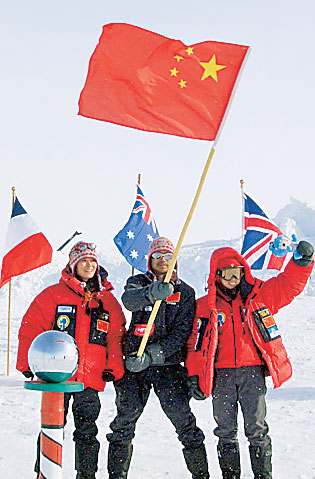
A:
(237, 333)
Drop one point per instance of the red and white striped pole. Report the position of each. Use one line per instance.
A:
(51, 436)
(52, 424)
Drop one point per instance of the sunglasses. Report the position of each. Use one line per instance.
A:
(229, 273)
(83, 247)
(158, 255)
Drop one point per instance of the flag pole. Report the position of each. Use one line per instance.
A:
(132, 268)
(192, 209)
(243, 208)
(9, 303)
(176, 252)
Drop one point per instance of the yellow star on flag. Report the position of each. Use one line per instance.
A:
(178, 58)
(182, 84)
(211, 69)
(189, 50)
(174, 72)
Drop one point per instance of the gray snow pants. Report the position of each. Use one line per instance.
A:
(247, 387)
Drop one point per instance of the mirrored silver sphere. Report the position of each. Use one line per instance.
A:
(53, 356)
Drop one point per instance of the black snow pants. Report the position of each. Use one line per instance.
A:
(169, 384)
(247, 387)
(86, 407)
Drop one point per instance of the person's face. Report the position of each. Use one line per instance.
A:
(231, 284)
(86, 268)
(160, 266)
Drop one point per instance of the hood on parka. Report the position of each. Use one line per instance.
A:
(222, 254)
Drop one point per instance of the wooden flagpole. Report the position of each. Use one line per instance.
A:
(192, 209)
(176, 252)
(9, 303)
(133, 269)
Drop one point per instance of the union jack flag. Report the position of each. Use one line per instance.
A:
(134, 239)
(259, 230)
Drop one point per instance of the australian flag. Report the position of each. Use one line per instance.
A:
(134, 239)
(259, 230)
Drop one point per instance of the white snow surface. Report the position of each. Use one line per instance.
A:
(157, 452)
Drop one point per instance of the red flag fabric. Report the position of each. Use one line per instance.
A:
(26, 247)
(143, 80)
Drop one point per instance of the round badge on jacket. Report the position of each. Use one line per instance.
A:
(221, 319)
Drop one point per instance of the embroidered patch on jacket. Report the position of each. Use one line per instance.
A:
(102, 325)
(221, 319)
(63, 322)
(99, 325)
(201, 328)
(64, 308)
(173, 298)
(266, 324)
(65, 318)
(140, 330)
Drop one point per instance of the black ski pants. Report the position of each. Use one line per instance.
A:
(85, 408)
(169, 384)
(245, 386)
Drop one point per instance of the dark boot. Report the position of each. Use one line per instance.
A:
(85, 475)
(86, 460)
(197, 463)
(229, 460)
(119, 457)
(260, 458)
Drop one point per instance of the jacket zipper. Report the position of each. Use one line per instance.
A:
(232, 317)
(242, 318)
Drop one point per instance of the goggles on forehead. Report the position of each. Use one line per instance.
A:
(229, 273)
(82, 247)
(158, 255)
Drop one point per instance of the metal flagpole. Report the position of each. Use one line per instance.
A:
(9, 303)
(192, 209)
(132, 268)
(243, 210)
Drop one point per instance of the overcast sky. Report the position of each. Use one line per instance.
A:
(73, 173)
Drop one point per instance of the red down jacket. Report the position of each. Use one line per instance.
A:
(96, 322)
(243, 333)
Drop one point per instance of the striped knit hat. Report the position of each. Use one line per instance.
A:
(80, 251)
(159, 244)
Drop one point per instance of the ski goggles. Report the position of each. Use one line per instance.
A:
(83, 247)
(158, 255)
(229, 273)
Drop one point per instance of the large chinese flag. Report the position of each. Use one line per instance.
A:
(143, 80)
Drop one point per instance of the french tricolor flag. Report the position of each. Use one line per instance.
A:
(26, 248)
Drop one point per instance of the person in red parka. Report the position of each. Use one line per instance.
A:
(235, 342)
(82, 305)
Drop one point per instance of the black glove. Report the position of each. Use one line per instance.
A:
(303, 254)
(28, 374)
(136, 364)
(159, 290)
(156, 354)
(107, 376)
(194, 390)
